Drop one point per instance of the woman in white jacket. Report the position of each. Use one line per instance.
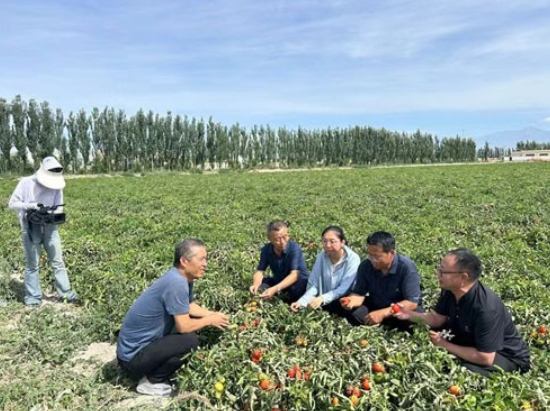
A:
(333, 274)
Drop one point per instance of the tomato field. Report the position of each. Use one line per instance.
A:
(120, 235)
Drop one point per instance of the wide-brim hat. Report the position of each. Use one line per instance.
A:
(50, 174)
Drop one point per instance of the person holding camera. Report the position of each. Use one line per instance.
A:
(36, 198)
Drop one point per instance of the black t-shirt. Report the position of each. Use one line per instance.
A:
(479, 319)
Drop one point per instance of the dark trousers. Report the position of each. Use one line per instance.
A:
(336, 308)
(162, 358)
(357, 317)
(500, 363)
(294, 292)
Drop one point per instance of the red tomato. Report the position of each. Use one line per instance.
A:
(378, 368)
(291, 373)
(396, 308)
(455, 390)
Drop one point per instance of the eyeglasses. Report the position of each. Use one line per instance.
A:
(375, 257)
(440, 272)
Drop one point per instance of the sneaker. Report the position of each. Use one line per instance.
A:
(159, 389)
(34, 305)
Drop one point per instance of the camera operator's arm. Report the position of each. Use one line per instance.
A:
(18, 200)
(59, 201)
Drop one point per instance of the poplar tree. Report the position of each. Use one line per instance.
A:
(5, 136)
(18, 110)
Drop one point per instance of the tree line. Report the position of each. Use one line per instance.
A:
(531, 145)
(109, 140)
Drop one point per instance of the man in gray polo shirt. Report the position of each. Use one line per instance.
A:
(146, 346)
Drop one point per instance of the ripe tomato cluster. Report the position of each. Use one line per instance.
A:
(256, 355)
(297, 373)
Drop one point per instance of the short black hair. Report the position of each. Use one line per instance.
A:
(382, 239)
(185, 249)
(337, 230)
(468, 262)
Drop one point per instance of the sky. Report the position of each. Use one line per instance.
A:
(446, 67)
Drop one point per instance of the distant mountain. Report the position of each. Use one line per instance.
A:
(508, 139)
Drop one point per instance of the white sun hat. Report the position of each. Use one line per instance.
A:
(50, 174)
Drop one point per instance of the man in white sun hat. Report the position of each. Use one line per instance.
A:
(42, 190)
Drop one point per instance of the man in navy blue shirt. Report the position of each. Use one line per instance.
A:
(383, 279)
(478, 328)
(286, 261)
(146, 347)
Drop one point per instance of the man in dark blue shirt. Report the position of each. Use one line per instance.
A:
(478, 328)
(285, 259)
(383, 279)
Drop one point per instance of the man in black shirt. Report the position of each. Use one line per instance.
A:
(479, 328)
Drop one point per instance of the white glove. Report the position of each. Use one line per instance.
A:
(33, 206)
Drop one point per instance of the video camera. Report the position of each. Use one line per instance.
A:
(45, 215)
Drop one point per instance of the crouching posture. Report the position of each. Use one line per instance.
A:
(478, 328)
(147, 348)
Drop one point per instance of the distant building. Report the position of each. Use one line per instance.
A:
(529, 155)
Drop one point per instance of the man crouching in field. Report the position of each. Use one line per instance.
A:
(146, 347)
(474, 318)
(285, 259)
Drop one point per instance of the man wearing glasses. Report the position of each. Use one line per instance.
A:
(478, 328)
(383, 279)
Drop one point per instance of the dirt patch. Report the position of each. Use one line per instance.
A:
(96, 356)
(141, 402)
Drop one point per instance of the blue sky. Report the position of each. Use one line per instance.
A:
(469, 67)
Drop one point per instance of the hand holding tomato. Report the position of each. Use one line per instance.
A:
(396, 308)
(345, 302)
(404, 313)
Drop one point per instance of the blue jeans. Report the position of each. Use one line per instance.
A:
(34, 237)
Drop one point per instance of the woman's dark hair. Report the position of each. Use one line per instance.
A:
(336, 229)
